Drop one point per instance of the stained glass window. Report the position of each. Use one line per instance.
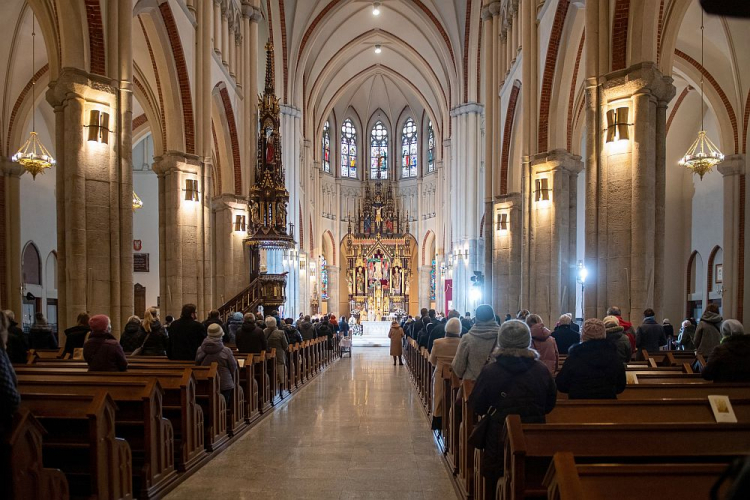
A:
(348, 149)
(327, 148)
(432, 280)
(409, 149)
(323, 279)
(430, 148)
(379, 151)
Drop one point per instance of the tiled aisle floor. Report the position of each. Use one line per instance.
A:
(356, 432)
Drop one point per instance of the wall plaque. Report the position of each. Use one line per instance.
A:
(140, 263)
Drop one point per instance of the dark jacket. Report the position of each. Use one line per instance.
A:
(103, 353)
(438, 332)
(730, 361)
(250, 338)
(233, 326)
(42, 337)
(565, 337)
(9, 397)
(292, 334)
(649, 336)
(212, 351)
(157, 342)
(217, 321)
(685, 340)
(306, 330)
(621, 342)
(17, 347)
(343, 327)
(185, 336)
(132, 336)
(75, 336)
(707, 335)
(324, 330)
(593, 370)
(529, 392)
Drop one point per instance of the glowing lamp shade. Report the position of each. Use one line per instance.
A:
(137, 203)
(239, 223)
(191, 190)
(542, 192)
(378, 49)
(617, 125)
(98, 126)
(502, 222)
(376, 8)
(475, 294)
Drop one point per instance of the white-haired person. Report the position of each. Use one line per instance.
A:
(277, 339)
(730, 360)
(443, 350)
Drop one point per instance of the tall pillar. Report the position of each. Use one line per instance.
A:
(552, 235)
(507, 254)
(626, 192)
(732, 170)
(424, 286)
(10, 246)
(232, 266)
(184, 237)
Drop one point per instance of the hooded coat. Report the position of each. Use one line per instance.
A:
(546, 346)
(306, 330)
(529, 392)
(730, 361)
(103, 353)
(565, 337)
(649, 336)
(132, 336)
(593, 370)
(233, 326)
(617, 336)
(707, 335)
(250, 338)
(214, 351)
(75, 336)
(474, 350)
(156, 343)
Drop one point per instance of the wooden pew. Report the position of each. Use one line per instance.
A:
(679, 391)
(81, 442)
(529, 448)
(138, 420)
(29, 477)
(669, 378)
(566, 480)
(466, 453)
(246, 362)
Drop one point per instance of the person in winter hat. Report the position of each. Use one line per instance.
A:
(233, 326)
(102, 351)
(687, 334)
(516, 382)
(212, 350)
(443, 348)
(542, 341)
(616, 335)
(564, 335)
(277, 339)
(593, 369)
(730, 360)
(627, 325)
(476, 346)
(707, 335)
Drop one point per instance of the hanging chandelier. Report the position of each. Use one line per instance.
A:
(33, 156)
(703, 154)
(137, 203)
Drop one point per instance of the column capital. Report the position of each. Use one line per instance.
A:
(176, 161)
(10, 168)
(732, 165)
(251, 12)
(76, 82)
(228, 202)
(467, 108)
(292, 111)
(557, 159)
(643, 77)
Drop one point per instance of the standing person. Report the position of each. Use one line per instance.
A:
(185, 335)
(687, 334)
(730, 360)
(306, 329)
(649, 336)
(593, 370)
(542, 341)
(324, 330)
(418, 324)
(277, 339)
(564, 334)
(250, 337)
(352, 324)
(155, 341)
(16, 346)
(212, 350)
(132, 336)
(233, 326)
(476, 346)
(466, 322)
(626, 325)
(214, 318)
(75, 336)
(438, 332)
(343, 326)
(102, 351)
(443, 348)
(707, 334)
(668, 330)
(515, 383)
(41, 335)
(292, 334)
(616, 335)
(396, 333)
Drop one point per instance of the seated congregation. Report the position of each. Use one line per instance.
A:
(132, 417)
(604, 410)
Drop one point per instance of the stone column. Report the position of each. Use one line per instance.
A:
(94, 198)
(232, 266)
(733, 170)
(333, 289)
(184, 234)
(626, 192)
(506, 254)
(552, 235)
(424, 286)
(10, 246)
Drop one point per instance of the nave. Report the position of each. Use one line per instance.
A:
(357, 431)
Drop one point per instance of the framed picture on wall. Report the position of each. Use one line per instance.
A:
(719, 273)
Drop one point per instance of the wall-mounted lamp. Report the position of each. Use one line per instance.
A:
(378, 49)
(98, 126)
(502, 222)
(376, 8)
(191, 190)
(542, 191)
(617, 124)
(239, 223)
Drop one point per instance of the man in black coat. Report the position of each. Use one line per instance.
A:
(185, 335)
(438, 331)
(429, 322)
(249, 337)
(650, 335)
(564, 334)
(418, 324)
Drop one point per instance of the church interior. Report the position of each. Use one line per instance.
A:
(362, 163)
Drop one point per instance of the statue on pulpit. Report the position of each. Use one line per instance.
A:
(254, 213)
(281, 214)
(270, 147)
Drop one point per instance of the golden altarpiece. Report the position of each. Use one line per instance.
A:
(378, 252)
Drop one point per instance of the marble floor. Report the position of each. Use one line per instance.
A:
(356, 432)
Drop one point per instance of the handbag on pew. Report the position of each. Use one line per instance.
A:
(138, 351)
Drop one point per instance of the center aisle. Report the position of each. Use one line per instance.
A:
(356, 432)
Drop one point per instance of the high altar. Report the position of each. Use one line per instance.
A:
(378, 251)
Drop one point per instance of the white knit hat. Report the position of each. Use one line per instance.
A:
(215, 331)
(453, 327)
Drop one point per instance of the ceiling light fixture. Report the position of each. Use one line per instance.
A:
(376, 8)
(378, 49)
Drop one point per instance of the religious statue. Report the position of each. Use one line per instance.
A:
(281, 214)
(397, 280)
(270, 149)
(350, 284)
(254, 215)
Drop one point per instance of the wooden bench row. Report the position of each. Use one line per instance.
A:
(153, 425)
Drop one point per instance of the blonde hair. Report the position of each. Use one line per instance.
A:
(565, 319)
(151, 315)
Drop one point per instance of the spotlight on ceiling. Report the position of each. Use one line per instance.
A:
(376, 8)
(378, 49)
